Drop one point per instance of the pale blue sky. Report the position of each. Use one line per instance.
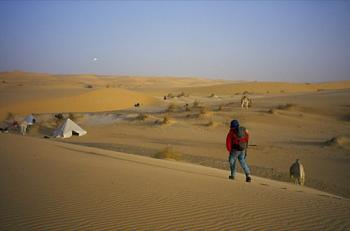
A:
(253, 40)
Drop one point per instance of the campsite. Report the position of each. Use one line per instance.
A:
(179, 134)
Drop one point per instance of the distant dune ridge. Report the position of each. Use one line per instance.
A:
(97, 100)
(97, 182)
(269, 87)
(116, 94)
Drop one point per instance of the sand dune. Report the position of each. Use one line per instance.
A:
(59, 185)
(23, 76)
(266, 87)
(64, 186)
(96, 100)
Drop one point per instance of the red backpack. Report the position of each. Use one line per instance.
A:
(240, 139)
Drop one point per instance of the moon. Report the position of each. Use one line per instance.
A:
(95, 59)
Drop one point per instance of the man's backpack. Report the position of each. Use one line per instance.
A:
(240, 139)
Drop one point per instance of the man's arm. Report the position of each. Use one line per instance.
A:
(246, 150)
(229, 142)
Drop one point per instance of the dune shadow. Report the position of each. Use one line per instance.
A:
(345, 117)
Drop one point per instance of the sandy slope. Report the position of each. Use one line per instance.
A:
(63, 186)
(303, 130)
(96, 100)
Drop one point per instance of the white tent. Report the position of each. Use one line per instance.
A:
(67, 129)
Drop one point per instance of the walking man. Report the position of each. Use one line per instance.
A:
(236, 144)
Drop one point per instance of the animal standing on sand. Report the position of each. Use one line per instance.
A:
(246, 102)
(297, 173)
(23, 127)
(237, 144)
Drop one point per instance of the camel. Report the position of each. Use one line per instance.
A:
(297, 173)
(246, 102)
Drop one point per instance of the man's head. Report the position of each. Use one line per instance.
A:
(234, 124)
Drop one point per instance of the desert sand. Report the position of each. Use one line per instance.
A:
(65, 186)
(107, 180)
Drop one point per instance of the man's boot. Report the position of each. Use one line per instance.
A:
(248, 178)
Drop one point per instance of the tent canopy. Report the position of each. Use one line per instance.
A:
(67, 129)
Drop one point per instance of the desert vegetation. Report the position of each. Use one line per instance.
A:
(168, 153)
(285, 106)
(196, 103)
(142, 116)
(172, 107)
